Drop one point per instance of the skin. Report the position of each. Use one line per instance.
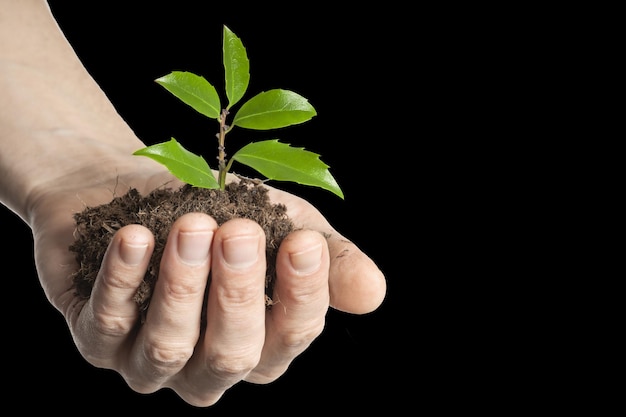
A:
(49, 98)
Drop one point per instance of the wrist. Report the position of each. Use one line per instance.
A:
(55, 121)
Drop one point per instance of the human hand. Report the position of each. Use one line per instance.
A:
(242, 340)
(66, 147)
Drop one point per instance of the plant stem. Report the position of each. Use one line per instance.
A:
(221, 158)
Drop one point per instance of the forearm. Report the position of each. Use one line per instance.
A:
(54, 119)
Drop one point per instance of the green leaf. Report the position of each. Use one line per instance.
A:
(184, 165)
(194, 91)
(279, 161)
(274, 109)
(236, 67)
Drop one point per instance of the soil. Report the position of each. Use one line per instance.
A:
(95, 226)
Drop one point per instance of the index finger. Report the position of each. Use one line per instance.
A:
(111, 313)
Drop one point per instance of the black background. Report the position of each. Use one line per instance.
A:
(451, 129)
(344, 64)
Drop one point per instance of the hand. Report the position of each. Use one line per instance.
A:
(64, 147)
(241, 340)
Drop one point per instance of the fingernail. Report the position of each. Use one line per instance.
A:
(307, 261)
(193, 247)
(241, 251)
(132, 253)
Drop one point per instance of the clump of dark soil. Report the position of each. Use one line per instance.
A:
(95, 226)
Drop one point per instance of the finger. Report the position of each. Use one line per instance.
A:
(357, 285)
(111, 313)
(167, 338)
(235, 328)
(302, 301)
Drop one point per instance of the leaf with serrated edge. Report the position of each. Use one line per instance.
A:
(184, 165)
(274, 109)
(193, 90)
(280, 161)
(236, 67)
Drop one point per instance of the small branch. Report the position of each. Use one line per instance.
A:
(221, 158)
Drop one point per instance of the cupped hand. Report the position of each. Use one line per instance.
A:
(65, 147)
(316, 268)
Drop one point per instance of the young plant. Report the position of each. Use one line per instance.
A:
(267, 110)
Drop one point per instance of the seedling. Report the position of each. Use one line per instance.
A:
(267, 110)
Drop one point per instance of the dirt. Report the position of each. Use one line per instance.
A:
(95, 226)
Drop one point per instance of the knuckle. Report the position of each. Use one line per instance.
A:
(300, 340)
(304, 292)
(183, 290)
(239, 296)
(118, 278)
(112, 325)
(141, 386)
(166, 358)
(231, 367)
